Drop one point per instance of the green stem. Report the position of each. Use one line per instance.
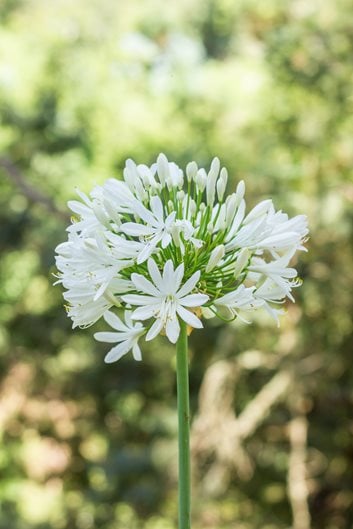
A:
(184, 427)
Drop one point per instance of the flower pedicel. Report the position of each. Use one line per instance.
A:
(167, 247)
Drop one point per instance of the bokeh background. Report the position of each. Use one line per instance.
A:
(267, 87)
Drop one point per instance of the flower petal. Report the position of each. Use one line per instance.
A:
(117, 352)
(148, 311)
(155, 273)
(144, 214)
(166, 239)
(146, 251)
(157, 208)
(114, 321)
(189, 317)
(178, 276)
(168, 278)
(110, 337)
(141, 283)
(136, 230)
(189, 285)
(154, 330)
(136, 299)
(172, 330)
(136, 351)
(193, 300)
(170, 219)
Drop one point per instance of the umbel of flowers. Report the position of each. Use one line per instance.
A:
(164, 246)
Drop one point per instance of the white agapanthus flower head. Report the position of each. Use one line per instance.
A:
(164, 246)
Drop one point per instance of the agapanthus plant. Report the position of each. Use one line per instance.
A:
(159, 251)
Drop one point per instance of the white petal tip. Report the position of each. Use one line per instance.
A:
(108, 361)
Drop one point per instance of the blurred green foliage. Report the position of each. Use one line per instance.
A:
(267, 87)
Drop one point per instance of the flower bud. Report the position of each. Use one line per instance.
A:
(240, 191)
(192, 207)
(211, 181)
(191, 171)
(221, 220)
(201, 179)
(146, 176)
(231, 207)
(180, 196)
(175, 233)
(162, 168)
(215, 166)
(221, 183)
(216, 255)
(241, 261)
(130, 174)
(169, 182)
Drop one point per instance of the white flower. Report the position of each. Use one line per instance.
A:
(270, 293)
(157, 229)
(86, 212)
(89, 271)
(277, 270)
(241, 299)
(173, 247)
(165, 299)
(127, 337)
(83, 308)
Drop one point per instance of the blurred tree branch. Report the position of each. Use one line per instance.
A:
(32, 194)
(298, 492)
(219, 432)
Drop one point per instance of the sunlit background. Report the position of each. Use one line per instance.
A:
(267, 87)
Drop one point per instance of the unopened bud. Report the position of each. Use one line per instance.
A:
(211, 188)
(169, 182)
(240, 191)
(241, 261)
(221, 221)
(180, 179)
(215, 166)
(162, 168)
(201, 179)
(191, 171)
(180, 195)
(175, 233)
(130, 173)
(216, 255)
(210, 227)
(221, 183)
(192, 207)
(231, 207)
